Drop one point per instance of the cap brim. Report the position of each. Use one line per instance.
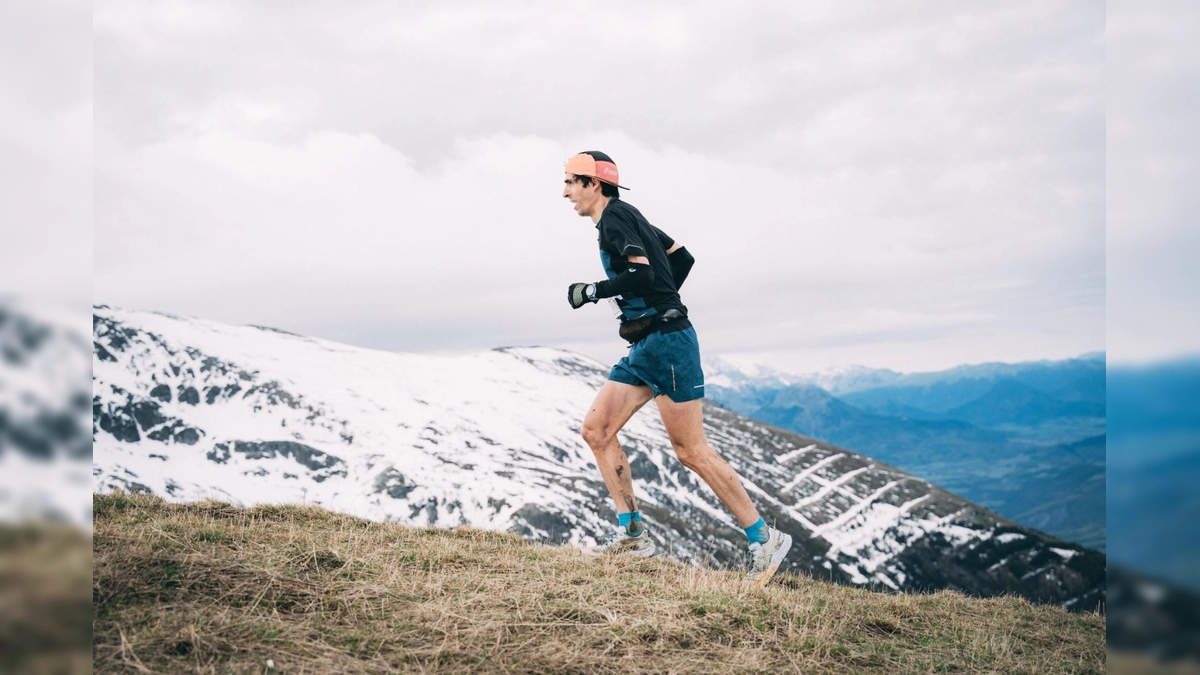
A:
(584, 164)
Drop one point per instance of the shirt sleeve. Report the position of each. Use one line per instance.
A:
(663, 238)
(619, 234)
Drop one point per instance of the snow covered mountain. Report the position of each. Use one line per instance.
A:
(191, 409)
(44, 445)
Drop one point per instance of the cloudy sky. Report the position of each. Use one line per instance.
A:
(46, 151)
(907, 185)
(1153, 167)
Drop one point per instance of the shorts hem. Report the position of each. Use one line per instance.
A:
(684, 397)
(625, 377)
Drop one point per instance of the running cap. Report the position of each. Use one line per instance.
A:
(595, 164)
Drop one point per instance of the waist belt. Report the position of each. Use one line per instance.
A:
(635, 330)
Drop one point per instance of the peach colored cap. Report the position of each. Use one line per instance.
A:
(584, 164)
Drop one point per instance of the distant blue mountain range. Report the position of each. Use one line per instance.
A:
(1026, 440)
(1154, 469)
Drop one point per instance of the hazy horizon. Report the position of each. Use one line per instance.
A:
(621, 345)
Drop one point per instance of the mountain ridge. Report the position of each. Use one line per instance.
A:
(1000, 435)
(730, 372)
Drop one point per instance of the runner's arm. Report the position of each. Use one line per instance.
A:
(637, 277)
(681, 263)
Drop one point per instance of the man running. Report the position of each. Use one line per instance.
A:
(645, 269)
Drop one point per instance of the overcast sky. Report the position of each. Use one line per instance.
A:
(906, 185)
(46, 151)
(1153, 168)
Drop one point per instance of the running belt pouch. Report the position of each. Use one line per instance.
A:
(637, 329)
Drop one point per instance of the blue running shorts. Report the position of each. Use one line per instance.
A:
(668, 363)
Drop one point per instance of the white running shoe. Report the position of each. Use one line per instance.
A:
(766, 557)
(621, 543)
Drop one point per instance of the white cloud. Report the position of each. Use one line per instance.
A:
(45, 152)
(390, 175)
(160, 26)
(1153, 162)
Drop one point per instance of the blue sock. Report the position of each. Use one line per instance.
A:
(632, 522)
(758, 532)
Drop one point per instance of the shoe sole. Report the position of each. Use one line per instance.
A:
(649, 551)
(776, 560)
(645, 553)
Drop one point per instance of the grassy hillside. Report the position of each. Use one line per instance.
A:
(45, 611)
(213, 588)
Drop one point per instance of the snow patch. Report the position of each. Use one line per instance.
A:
(1066, 553)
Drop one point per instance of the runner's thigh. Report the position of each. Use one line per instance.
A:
(614, 405)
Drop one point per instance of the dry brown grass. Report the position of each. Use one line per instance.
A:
(211, 588)
(1127, 663)
(45, 612)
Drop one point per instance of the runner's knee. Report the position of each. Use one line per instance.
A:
(596, 435)
(691, 456)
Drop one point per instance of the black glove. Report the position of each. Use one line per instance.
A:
(580, 294)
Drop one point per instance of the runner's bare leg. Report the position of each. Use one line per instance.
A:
(615, 404)
(685, 426)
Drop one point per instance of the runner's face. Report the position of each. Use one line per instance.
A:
(584, 199)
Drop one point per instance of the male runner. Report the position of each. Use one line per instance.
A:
(645, 269)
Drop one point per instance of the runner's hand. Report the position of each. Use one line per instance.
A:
(580, 294)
